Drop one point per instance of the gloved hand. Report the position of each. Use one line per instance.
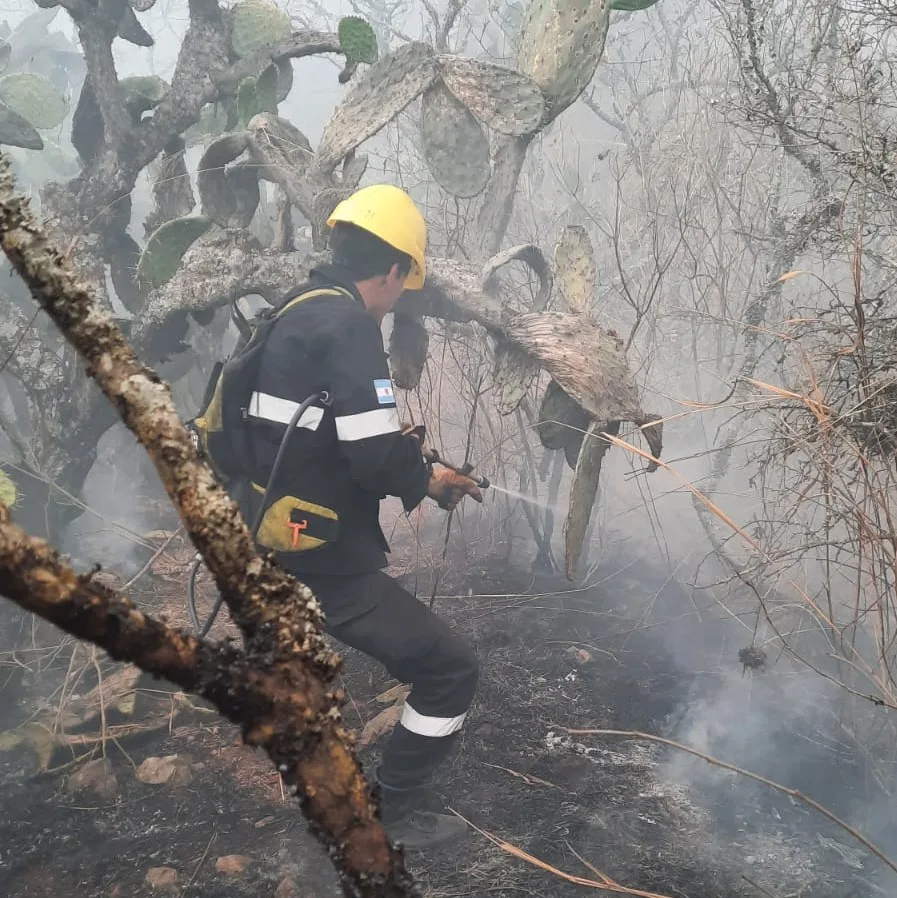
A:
(448, 488)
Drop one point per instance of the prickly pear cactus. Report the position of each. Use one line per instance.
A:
(284, 78)
(277, 143)
(501, 98)
(354, 168)
(408, 345)
(454, 144)
(562, 422)
(257, 95)
(130, 29)
(257, 24)
(514, 370)
(560, 45)
(357, 40)
(16, 131)
(212, 123)
(512, 376)
(376, 99)
(172, 191)
(35, 99)
(576, 271)
(163, 251)
(8, 492)
(631, 5)
(584, 491)
(229, 193)
(142, 93)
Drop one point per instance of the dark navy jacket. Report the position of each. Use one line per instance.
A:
(345, 456)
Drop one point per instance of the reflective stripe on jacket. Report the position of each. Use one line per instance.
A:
(345, 456)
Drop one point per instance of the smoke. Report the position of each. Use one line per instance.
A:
(121, 495)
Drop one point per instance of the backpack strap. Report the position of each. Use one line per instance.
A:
(309, 292)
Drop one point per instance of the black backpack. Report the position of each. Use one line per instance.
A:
(219, 431)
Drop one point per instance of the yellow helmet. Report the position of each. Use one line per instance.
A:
(389, 213)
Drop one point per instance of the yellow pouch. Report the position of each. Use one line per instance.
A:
(291, 524)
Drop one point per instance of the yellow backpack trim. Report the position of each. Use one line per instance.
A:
(276, 531)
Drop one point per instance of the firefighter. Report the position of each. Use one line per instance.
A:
(349, 451)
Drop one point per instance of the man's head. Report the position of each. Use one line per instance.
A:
(380, 237)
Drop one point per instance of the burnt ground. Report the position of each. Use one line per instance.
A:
(551, 658)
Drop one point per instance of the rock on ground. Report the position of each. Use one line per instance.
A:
(172, 770)
(165, 878)
(95, 776)
(232, 864)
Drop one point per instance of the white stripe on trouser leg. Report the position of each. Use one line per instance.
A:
(281, 411)
(430, 726)
(374, 423)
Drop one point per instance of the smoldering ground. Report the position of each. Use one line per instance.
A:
(634, 651)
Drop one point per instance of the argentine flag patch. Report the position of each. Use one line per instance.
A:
(384, 391)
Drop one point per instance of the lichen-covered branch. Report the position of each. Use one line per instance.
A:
(279, 618)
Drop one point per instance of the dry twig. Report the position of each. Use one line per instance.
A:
(604, 882)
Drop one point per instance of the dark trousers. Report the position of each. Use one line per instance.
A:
(416, 647)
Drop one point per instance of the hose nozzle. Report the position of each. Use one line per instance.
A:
(465, 470)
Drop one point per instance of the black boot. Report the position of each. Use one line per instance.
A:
(408, 823)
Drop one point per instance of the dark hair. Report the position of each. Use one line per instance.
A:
(363, 254)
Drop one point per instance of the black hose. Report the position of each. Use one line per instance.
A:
(203, 629)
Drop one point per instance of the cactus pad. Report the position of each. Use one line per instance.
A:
(512, 376)
(454, 144)
(503, 99)
(284, 78)
(408, 345)
(8, 494)
(130, 29)
(35, 99)
(16, 131)
(354, 168)
(357, 40)
(562, 422)
(584, 491)
(212, 123)
(561, 43)
(376, 99)
(142, 92)
(574, 264)
(229, 193)
(256, 95)
(631, 5)
(164, 250)
(257, 24)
